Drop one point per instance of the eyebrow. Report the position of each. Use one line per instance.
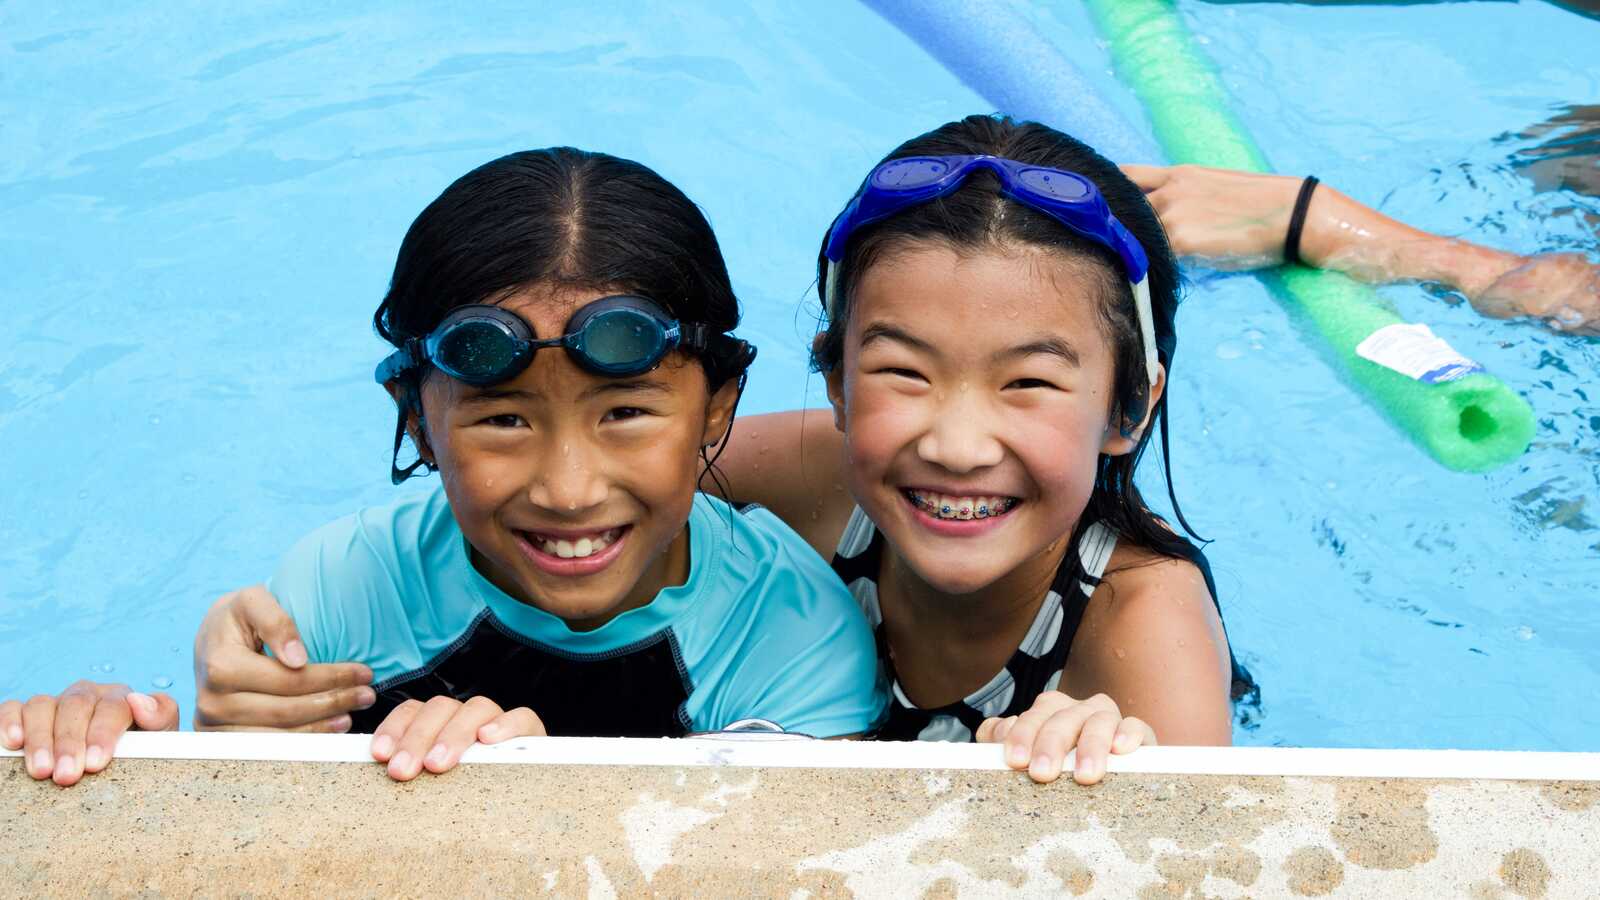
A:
(632, 386)
(1047, 346)
(497, 392)
(882, 331)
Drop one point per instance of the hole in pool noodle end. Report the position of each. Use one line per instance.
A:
(1471, 424)
(1475, 423)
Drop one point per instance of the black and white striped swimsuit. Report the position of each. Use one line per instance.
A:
(1034, 668)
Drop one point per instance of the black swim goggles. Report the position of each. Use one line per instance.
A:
(615, 337)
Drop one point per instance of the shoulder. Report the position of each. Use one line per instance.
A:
(1152, 639)
(760, 556)
(778, 636)
(379, 538)
(793, 464)
(358, 572)
(1146, 595)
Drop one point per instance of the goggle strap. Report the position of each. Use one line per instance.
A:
(397, 474)
(832, 290)
(397, 363)
(1147, 327)
(694, 335)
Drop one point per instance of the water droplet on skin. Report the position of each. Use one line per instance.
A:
(161, 682)
(1182, 643)
(1121, 653)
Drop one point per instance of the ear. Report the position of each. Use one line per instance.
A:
(1122, 435)
(719, 412)
(416, 428)
(834, 381)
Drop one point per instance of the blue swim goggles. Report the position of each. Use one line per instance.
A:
(1067, 197)
(615, 337)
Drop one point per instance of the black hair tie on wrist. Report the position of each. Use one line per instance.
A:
(1297, 221)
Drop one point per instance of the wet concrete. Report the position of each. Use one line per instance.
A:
(164, 827)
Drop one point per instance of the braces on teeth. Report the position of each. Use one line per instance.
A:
(962, 507)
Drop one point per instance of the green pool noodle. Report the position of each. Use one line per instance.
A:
(1472, 424)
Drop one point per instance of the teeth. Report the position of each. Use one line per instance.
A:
(582, 547)
(946, 506)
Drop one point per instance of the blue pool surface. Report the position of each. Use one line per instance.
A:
(199, 210)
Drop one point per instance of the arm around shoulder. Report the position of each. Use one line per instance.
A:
(793, 464)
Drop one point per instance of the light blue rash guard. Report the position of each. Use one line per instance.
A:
(762, 628)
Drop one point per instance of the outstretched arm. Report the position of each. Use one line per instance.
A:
(1239, 220)
(793, 464)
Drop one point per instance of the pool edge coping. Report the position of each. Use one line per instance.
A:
(782, 751)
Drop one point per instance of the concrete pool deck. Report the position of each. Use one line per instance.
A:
(714, 817)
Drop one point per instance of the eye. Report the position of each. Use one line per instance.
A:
(624, 413)
(901, 373)
(504, 420)
(1024, 384)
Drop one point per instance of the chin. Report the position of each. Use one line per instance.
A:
(578, 610)
(959, 584)
(953, 577)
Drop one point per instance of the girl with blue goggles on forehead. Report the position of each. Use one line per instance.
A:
(999, 309)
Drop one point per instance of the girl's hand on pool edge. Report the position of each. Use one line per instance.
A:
(64, 738)
(433, 735)
(1039, 739)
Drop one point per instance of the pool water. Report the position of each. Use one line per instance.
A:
(199, 210)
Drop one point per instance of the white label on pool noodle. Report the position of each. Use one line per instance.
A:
(1416, 352)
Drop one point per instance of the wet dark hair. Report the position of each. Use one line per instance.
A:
(978, 216)
(561, 217)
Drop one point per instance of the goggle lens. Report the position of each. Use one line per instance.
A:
(622, 340)
(618, 337)
(1058, 185)
(910, 173)
(476, 350)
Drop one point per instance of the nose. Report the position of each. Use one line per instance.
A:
(959, 439)
(570, 479)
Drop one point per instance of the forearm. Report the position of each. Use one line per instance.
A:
(1345, 236)
(1240, 220)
